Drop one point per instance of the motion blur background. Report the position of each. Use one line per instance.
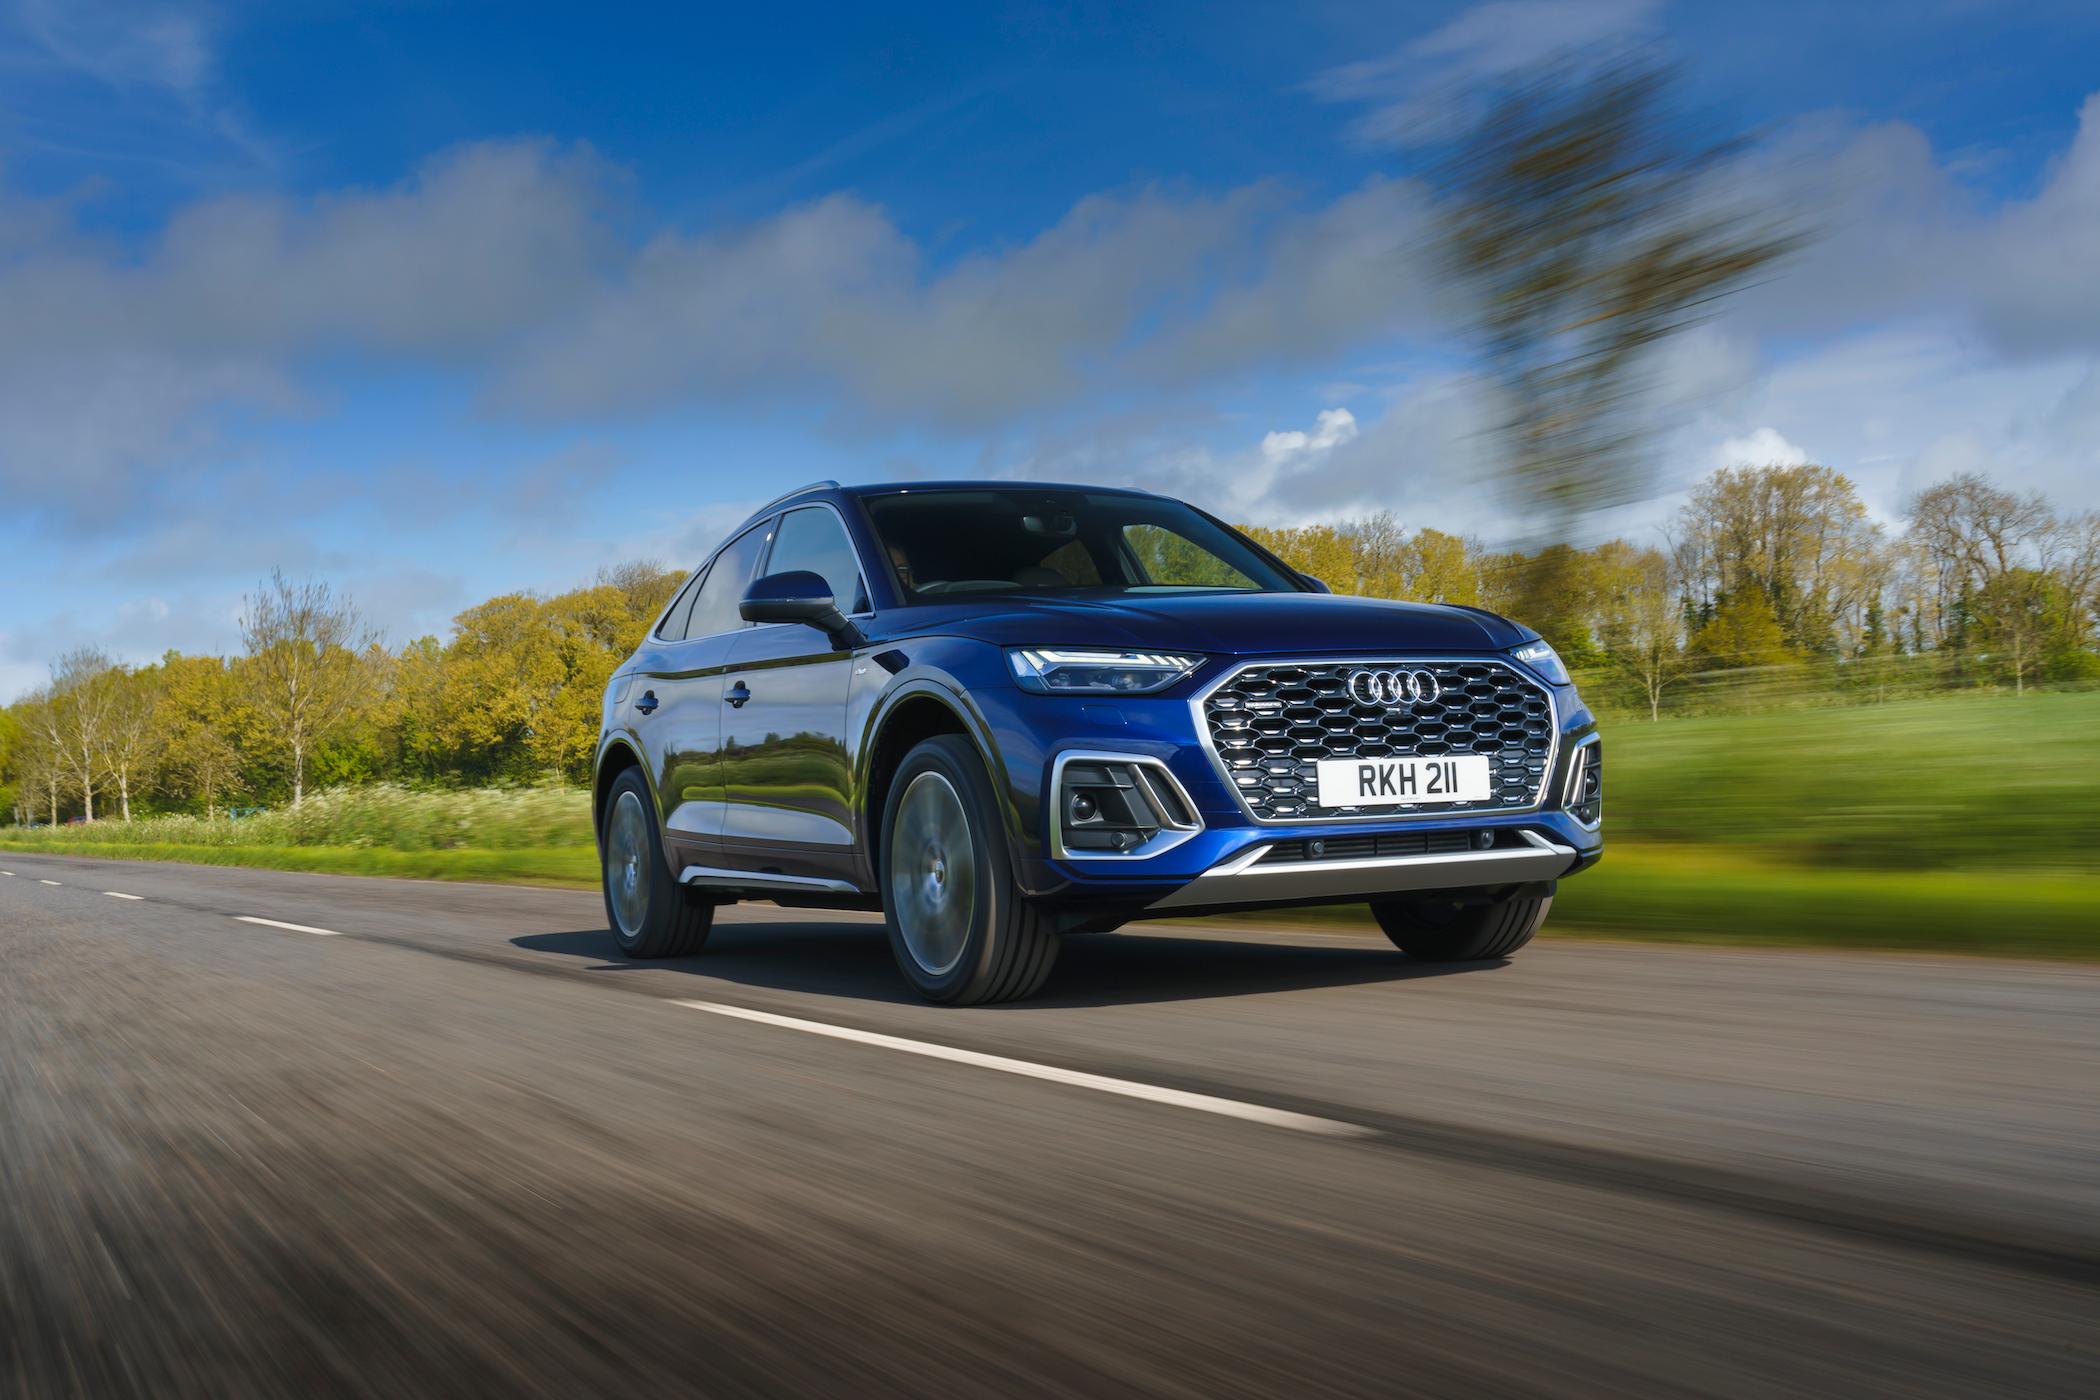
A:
(412, 353)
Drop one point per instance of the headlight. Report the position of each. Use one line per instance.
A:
(1544, 660)
(1053, 669)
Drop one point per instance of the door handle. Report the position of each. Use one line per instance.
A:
(647, 704)
(737, 695)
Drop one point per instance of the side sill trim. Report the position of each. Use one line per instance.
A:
(1242, 879)
(718, 878)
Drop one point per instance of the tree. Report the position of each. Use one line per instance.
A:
(2022, 618)
(42, 769)
(83, 695)
(305, 660)
(1799, 535)
(1642, 630)
(134, 718)
(1743, 632)
(14, 743)
(1443, 568)
(199, 722)
(1580, 221)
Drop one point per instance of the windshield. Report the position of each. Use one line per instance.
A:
(945, 543)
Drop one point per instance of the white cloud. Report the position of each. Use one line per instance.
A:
(1936, 331)
(1331, 429)
(1762, 448)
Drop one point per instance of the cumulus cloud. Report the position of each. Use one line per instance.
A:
(503, 263)
(114, 371)
(514, 267)
(1762, 448)
(1331, 429)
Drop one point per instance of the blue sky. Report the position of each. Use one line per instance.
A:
(442, 300)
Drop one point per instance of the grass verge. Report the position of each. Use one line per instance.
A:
(1678, 895)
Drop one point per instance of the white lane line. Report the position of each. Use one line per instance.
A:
(119, 894)
(47, 882)
(279, 923)
(1128, 1088)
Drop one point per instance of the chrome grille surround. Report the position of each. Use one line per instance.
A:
(1265, 723)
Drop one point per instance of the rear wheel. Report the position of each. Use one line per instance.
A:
(651, 914)
(1455, 930)
(959, 929)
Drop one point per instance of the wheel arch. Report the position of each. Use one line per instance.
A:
(917, 713)
(614, 759)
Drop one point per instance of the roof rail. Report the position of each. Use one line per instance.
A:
(827, 484)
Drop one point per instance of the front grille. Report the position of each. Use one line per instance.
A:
(1269, 723)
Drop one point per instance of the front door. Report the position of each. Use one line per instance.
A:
(676, 700)
(786, 766)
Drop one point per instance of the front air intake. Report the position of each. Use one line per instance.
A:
(1585, 797)
(1117, 805)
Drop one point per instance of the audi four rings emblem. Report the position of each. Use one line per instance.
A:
(1394, 688)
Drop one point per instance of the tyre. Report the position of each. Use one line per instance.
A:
(1452, 930)
(959, 930)
(651, 915)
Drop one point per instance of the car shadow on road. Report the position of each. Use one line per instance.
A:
(842, 959)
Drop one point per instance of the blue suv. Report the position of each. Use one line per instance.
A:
(1002, 712)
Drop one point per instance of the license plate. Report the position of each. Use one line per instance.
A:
(1414, 782)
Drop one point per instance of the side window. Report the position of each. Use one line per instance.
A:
(715, 603)
(673, 626)
(812, 538)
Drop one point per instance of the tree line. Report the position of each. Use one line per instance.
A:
(1763, 568)
(315, 700)
(1767, 567)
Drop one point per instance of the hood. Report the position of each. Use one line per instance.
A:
(1243, 624)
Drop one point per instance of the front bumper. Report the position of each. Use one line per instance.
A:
(1254, 878)
(1227, 863)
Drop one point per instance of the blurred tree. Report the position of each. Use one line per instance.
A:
(1582, 222)
(41, 765)
(2025, 624)
(14, 741)
(1743, 632)
(1642, 627)
(200, 758)
(82, 698)
(134, 717)
(306, 661)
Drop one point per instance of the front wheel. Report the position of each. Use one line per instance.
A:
(651, 914)
(1455, 930)
(959, 929)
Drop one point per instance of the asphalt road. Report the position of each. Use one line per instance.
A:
(461, 1147)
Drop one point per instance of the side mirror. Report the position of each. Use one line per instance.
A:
(1318, 585)
(798, 596)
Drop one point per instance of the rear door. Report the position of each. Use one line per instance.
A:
(676, 699)
(786, 762)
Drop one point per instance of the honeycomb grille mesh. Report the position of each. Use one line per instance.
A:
(1270, 723)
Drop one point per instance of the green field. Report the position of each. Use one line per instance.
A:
(1965, 824)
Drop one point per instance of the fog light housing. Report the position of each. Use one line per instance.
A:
(1118, 805)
